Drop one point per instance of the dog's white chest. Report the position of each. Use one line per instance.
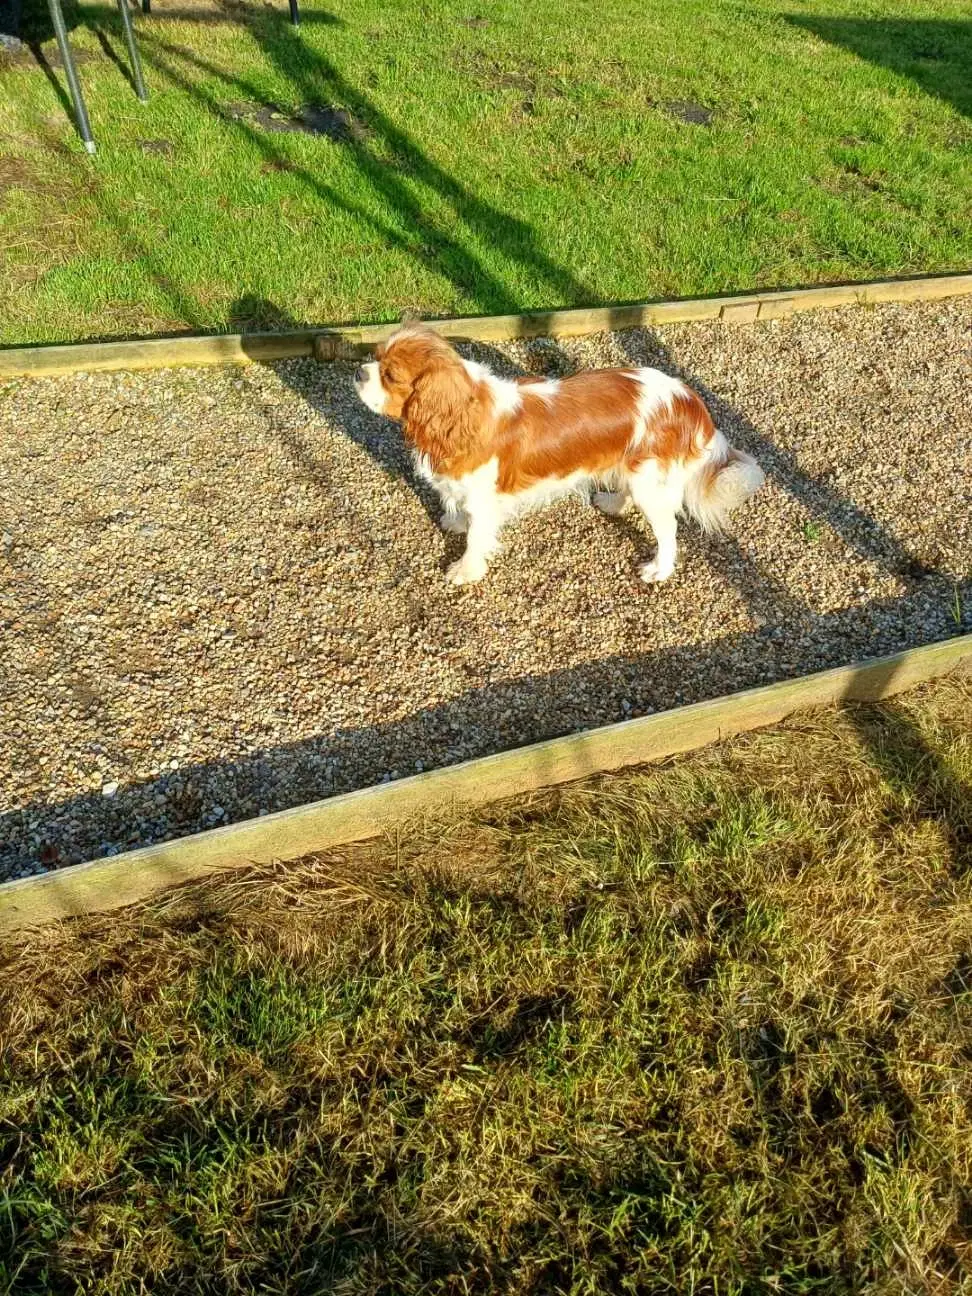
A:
(459, 491)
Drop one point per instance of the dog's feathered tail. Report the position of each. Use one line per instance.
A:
(724, 478)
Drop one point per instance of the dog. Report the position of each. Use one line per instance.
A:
(494, 448)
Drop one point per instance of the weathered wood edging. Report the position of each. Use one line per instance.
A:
(120, 880)
(351, 342)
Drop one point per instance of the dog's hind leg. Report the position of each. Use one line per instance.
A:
(659, 498)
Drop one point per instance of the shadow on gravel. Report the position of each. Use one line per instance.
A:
(483, 720)
(788, 640)
(763, 592)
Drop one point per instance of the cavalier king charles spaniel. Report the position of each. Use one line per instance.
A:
(493, 448)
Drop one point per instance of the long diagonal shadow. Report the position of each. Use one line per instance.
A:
(493, 717)
(934, 53)
(424, 239)
(515, 238)
(411, 242)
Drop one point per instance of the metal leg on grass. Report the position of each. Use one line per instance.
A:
(74, 85)
(294, 13)
(126, 18)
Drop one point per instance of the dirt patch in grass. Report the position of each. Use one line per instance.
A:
(310, 119)
(508, 74)
(692, 114)
(15, 173)
(18, 173)
(37, 57)
(51, 200)
(703, 1027)
(160, 147)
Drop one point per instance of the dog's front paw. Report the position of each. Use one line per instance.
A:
(454, 522)
(653, 573)
(466, 571)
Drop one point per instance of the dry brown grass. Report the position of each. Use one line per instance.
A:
(703, 1028)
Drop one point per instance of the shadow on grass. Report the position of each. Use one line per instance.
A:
(339, 1219)
(917, 774)
(37, 34)
(936, 54)
(35, 28)
(348, 1140)
(389, 162)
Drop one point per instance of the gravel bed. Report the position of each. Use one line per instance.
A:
(221, 593)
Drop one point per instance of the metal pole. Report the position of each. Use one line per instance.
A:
(126, 18)
(294, 13)
(67, 58)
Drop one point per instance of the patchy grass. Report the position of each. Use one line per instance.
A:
(444, 158)
(703, 1028)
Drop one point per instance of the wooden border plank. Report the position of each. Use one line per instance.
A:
(334, 344)
(351, 342)
(120, 880)
(154, 353)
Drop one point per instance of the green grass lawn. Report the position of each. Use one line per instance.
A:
(705, 1028)
(497, 156)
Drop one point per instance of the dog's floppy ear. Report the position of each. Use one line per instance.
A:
(439, 415)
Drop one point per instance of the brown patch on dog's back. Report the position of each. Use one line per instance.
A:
(585, 427)
(682, 431)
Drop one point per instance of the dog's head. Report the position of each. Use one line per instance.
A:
(413, 363)
(418, 379)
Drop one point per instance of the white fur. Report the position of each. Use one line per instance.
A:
(371, 390)
(708, 487)
(474, 505)
(659, 492)
(545, 388)
(657, 392)
(506, 395)
(739, 478)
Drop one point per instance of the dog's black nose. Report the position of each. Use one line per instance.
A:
(362, 375)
